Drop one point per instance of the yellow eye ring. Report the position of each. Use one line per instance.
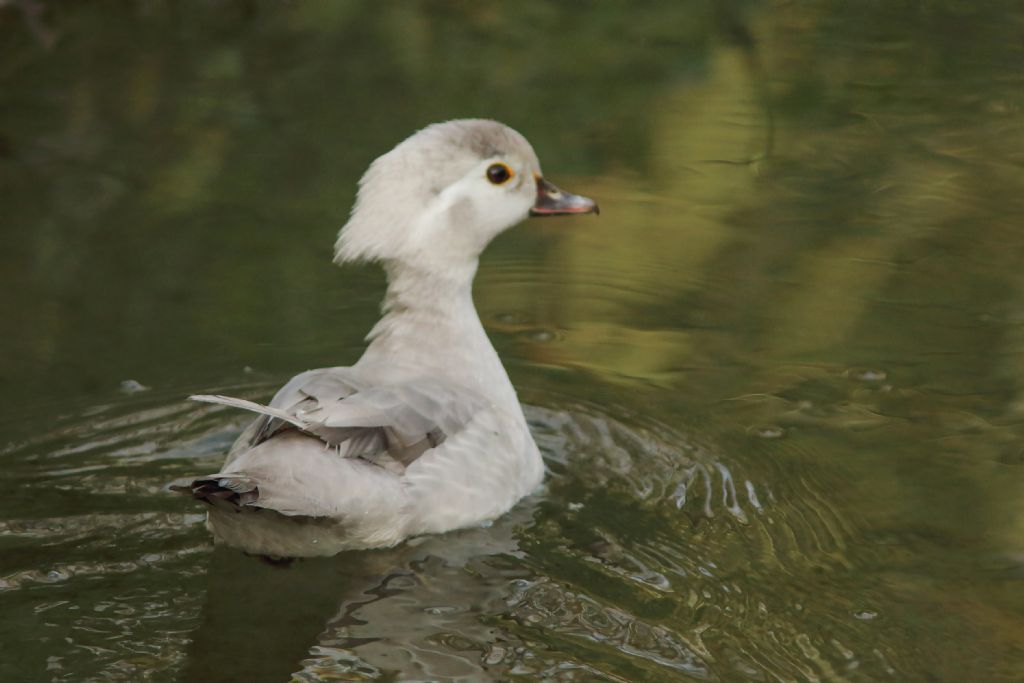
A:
(499, 174)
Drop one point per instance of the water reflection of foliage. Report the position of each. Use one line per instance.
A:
(154, 185)
(230, 149)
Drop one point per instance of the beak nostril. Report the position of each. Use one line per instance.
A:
(553, 201)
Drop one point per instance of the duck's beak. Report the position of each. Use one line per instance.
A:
(554, 202)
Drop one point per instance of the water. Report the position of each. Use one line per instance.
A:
(776, 382)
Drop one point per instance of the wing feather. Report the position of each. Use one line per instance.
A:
(390, 425)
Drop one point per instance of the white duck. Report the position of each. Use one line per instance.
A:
(424, 433)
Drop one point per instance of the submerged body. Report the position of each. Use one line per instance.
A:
(424, 433)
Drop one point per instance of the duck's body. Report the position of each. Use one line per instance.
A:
(424, 433)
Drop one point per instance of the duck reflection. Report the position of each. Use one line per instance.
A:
(412, 611)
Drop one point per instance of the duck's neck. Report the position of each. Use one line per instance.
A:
(430, 328)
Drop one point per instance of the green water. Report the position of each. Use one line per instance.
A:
(778, 382)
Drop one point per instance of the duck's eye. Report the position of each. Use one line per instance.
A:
(499, 173)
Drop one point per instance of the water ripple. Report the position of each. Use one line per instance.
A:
(649, 555)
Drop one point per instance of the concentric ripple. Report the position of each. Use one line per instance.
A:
(648, 555)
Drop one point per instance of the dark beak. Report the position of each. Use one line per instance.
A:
(554, 202)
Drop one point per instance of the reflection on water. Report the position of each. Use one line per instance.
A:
(611, 570)
(776, 384)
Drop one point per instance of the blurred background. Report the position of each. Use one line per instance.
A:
(777, 381)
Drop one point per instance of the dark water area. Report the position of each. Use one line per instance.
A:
(777, 383)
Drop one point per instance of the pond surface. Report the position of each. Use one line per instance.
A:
(779, 382)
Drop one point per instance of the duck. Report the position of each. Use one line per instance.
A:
(424, 434)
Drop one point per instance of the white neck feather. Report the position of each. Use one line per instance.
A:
(430, 327)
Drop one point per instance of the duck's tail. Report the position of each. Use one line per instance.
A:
(226, 491)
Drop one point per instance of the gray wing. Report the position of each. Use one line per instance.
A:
(389, 425)
(305, 390)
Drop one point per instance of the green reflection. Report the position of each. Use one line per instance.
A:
(806, 271)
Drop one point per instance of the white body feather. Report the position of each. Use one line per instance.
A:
(425, 433)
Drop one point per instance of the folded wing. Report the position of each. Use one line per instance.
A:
(389, 425)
